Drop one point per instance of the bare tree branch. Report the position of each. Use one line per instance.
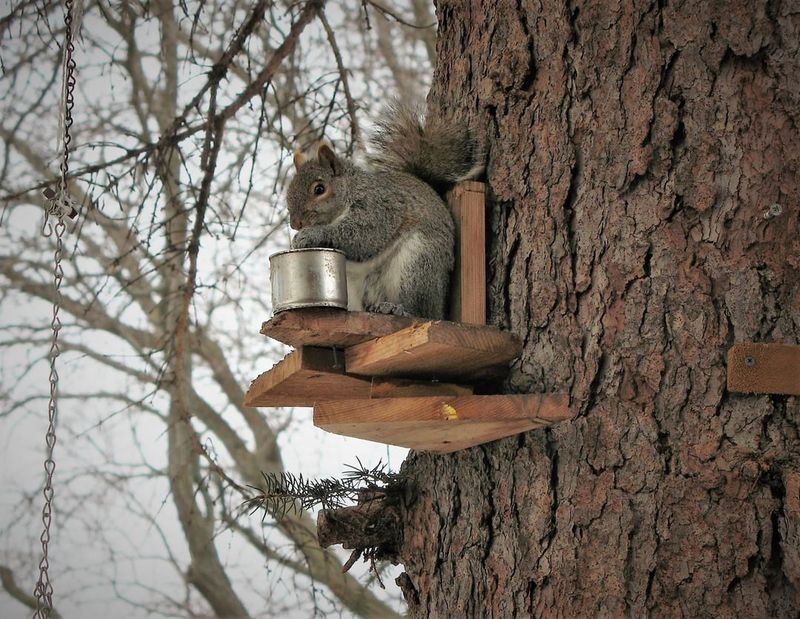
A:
(355, 131)
(10, 586)
(193, 127)
(393, 14)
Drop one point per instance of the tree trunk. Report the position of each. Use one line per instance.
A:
(644, 211)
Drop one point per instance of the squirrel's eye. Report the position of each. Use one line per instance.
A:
(319, 189)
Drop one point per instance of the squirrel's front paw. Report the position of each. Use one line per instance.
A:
(385, 307)
(303, 239)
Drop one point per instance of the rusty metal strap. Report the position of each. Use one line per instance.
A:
(764, 368)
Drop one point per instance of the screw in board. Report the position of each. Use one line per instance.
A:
(749, 361)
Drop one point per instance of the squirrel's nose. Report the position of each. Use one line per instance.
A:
(295, 221)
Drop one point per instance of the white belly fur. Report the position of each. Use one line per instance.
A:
(392, 263)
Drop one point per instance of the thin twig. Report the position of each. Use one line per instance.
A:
(355, 132)
(172, 136)
(396, 17)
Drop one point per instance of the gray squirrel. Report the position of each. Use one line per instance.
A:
(388, 218)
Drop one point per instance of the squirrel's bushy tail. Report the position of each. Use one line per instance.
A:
(437, 151)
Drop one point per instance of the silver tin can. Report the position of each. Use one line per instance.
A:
(312, 277)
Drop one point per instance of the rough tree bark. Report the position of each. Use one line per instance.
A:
(637, 154)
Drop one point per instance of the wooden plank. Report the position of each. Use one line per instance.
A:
(304, 376)
(405, 388)
(310, 374)
(331, 327)
(764, 368)
(468, 286)
(435, 349)
(441, 424)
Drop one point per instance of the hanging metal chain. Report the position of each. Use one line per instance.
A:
(60, 206)
(44, 589)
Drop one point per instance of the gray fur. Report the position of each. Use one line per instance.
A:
(433, 149)
(388, 222)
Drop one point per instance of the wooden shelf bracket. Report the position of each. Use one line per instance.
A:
(441, 424)
(764, 368)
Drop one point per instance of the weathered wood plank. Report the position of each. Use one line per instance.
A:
(331, 327)
(468, 287)
(441, 424)
(764, 368)
(304, 376)
(407, 388)
(310, 374)
(435, 350)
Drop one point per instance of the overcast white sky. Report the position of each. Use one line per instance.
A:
(91, 430)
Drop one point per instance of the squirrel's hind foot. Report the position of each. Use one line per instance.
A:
(385, 307)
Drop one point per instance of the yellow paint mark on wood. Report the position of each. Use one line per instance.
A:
(449, 413)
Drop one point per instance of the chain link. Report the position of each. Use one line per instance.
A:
(44, 588)
(69, 90)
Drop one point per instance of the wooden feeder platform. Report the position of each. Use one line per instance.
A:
(407, 381)
(409, 387)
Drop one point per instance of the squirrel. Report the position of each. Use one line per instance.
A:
(388, 217)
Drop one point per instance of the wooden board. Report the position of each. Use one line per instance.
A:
(764, 368)
(304, 376)
(441, 424)
(310, 374)
(436, 349)
(331, 327)
(468, 288)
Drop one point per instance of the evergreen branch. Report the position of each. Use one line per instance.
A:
(285, 492)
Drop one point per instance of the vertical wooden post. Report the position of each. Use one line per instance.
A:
(468, 289)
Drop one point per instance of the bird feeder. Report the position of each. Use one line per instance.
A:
(406, 381)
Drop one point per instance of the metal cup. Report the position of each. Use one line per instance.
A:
(312, 277)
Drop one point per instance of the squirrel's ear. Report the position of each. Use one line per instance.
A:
(299, 158)
(326, 156)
